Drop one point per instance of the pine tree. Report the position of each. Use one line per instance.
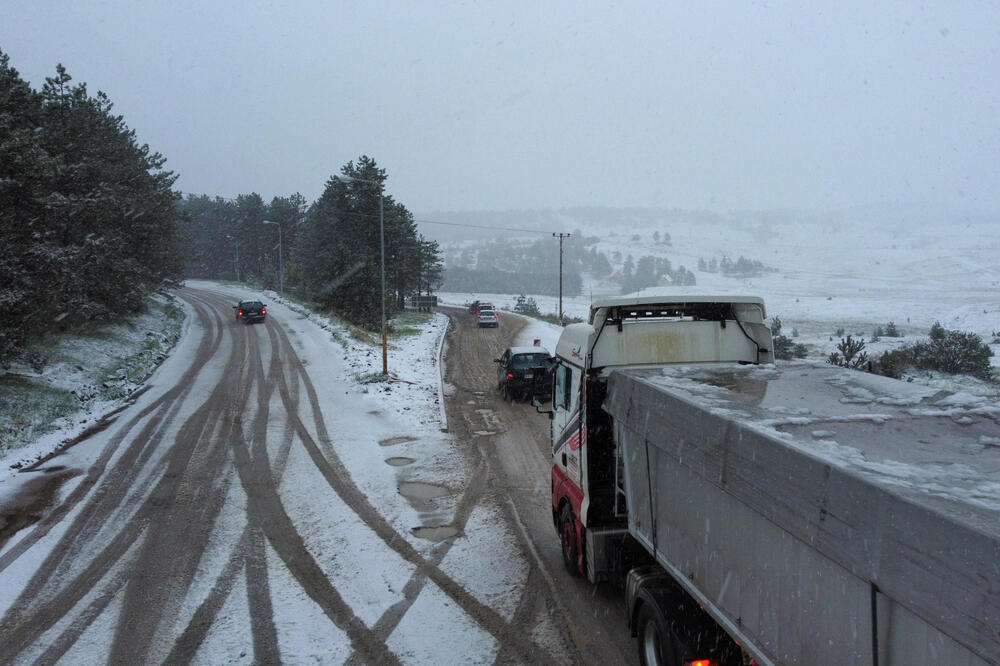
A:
(88, 213)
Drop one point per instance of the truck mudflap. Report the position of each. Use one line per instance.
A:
(602, 551)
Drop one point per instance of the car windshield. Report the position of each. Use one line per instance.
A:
(529, 360)
(250, 304)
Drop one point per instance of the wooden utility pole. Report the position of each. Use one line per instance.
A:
(560, 237)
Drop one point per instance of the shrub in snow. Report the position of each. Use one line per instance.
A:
(953, 352)
(526, 305)
(890, 364)
(891, 331)
(850, 354)
(784, 348)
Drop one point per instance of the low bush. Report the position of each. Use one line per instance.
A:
(850, 354)
(953, 352)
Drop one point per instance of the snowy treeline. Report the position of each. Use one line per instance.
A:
(227, 239)
(86, 212)
(331, 250)
(518, 266)
(651, 272)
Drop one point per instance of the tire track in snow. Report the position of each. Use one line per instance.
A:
(161, 407)
(337, 476)
(43, 602)
(186, 511)
(187, 643)
(464, 372)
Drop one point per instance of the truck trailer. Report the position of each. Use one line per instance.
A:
(796, 513)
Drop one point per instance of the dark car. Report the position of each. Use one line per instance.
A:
(250, 312)
(521, 369)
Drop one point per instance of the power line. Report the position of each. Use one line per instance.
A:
(483, 226)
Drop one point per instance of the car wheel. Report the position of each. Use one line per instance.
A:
(568, 540)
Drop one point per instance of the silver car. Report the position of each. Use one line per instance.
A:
(487, 318)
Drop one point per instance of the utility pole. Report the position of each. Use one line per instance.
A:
(281, 265)
(560, 237)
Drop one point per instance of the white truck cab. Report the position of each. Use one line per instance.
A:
(656, 327)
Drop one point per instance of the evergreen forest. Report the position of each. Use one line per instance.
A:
(87, 213)
(93, 227)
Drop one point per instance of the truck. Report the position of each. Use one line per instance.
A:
(762, 513)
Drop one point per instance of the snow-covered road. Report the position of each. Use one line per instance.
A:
(262, 502)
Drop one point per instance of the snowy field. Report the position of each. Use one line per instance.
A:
(843, 271)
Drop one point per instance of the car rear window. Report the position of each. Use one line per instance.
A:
(529, 360)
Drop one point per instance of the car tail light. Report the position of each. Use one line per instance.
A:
(239, 313)
(263, 310)
(510, 375)
(701, 662)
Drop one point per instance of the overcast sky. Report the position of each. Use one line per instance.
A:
(473, 106)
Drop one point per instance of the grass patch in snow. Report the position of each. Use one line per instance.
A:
(370, 377)
(409, 323)
(29, 409)
(63, 376)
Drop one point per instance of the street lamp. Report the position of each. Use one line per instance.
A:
(560, 236)
(236, 261)
(381, 235)
(281, 265)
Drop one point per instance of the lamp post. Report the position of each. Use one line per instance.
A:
(381, 235)
(236, 261)
(560, 236)
(281, 265)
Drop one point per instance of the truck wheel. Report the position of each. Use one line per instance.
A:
(656, 644)
(568, 540)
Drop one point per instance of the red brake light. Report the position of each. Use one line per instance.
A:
(701, 662)
(510, 375)
(263, 310)
(239, 313)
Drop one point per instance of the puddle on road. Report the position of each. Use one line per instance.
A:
(421, 491)
(438, 533)
(35, 499)
(421, 497)
(399, 461)
(397, 440)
